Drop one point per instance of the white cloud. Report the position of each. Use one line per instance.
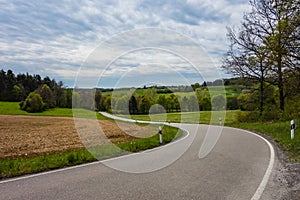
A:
(55, 37)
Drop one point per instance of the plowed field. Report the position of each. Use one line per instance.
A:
(27, 136)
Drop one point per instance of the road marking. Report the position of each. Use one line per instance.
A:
(257, 195)
(92, 163)
(259, 191)
(48, 172)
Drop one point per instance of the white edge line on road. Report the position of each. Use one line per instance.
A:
(93, 163)
(259, 191)
(48, 172)
(150, 150)
(256, 196)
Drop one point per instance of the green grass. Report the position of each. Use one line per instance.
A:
(214, 90)
(13, 108)
(202, 117)
(169, 134)
(22, 166)
(280, 132)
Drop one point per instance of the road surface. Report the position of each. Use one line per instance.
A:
(238, 167)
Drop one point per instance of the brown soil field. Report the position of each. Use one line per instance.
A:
(28, 136)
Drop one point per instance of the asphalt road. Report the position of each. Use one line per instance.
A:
(238, 167)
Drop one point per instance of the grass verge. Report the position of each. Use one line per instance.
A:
(21, 166)
(280, 132)
(24, 165)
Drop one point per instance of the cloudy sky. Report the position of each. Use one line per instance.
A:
(117, 43)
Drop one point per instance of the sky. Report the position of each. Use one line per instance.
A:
(112, 43)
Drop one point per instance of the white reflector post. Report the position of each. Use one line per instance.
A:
(292, 129)
(160, 134)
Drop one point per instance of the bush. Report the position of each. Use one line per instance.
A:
(47, 96)
(271, 113)
(247, 102)
(232, 103)
(218, 102)
(252, 116)
(292, 108)
(205, 104)
(33, 103)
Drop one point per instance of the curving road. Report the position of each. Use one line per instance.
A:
(238, 167)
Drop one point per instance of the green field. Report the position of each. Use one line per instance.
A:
(214, 90)
(21, 166)
(229, 90)
(202, 117)
(13, 108)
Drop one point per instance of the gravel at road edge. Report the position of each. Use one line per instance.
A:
(284, 183)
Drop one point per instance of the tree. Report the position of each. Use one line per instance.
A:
(193, 103)
(219, 102)
(69, 94)
(282, 39)
(184, 104)
(122, 105)
(205, 103)
(292, 82)
(33, 103)
(47, 96)
(10, 82)
(47, 81)
(195, 86)
(232, 103)
(173, 103)
(246, 102)
(133, 105)
(2, 84)
(76, 100)
(162, 101)
(98, 98)
(62, 101)
(266, 45)
(204, 99)
(108, 103)
(59, 94)
(18, 93)
(246, 57)
(145, 104)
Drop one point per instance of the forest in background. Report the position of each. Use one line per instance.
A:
(37, 94)
(34, 92)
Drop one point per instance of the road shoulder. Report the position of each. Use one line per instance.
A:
(284, 182)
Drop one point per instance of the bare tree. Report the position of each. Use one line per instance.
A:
(267, 44)
(247, 58)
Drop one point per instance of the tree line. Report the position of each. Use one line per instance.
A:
(152, 101)
(265, 49)
(34, 92)
(37, 94)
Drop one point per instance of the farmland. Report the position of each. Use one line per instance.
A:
(28, 136)
(34, 142)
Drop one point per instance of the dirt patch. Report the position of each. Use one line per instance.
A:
(27, 136)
